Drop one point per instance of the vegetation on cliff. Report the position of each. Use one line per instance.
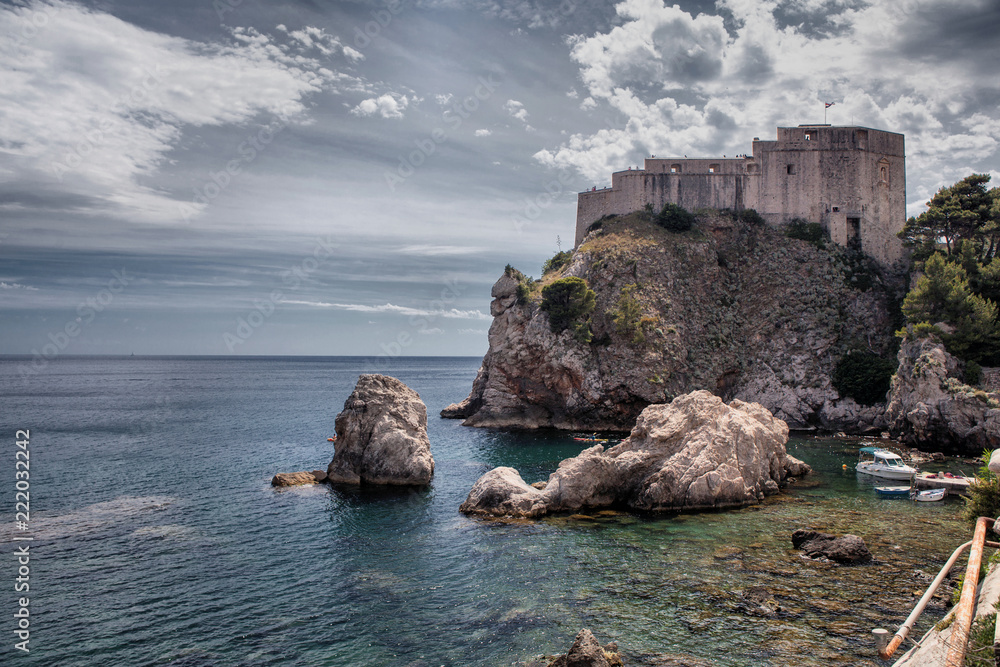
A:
(569, 303)
(955, 243)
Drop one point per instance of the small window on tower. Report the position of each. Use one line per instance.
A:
(675, 169)
(790, 169)
(713, 169)
(809, 136)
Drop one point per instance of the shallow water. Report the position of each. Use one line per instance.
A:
(159, 541)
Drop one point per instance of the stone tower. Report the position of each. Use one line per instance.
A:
(851, 180)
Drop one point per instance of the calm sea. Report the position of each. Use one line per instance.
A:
(159, 541)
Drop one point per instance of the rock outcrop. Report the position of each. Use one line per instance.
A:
(740, 311)
(382, 436)
(930, 406)
(695, 453)
(298, 478)
(848, 549)
(588, 652)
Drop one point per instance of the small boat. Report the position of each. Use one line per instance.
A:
(892, 491)
(930, 495)
(882, 463)
(591, 438)
(333, 439)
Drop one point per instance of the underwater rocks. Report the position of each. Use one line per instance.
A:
(929, 406)
(298, 478)
(382, 436)
(588, 652)
(847, 549)
(696, 452)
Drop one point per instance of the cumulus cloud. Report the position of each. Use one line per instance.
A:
(483, 133)
(389, 105)
(516, 110)
(93, 104)
(703, 84)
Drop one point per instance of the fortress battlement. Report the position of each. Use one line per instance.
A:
(851, 180)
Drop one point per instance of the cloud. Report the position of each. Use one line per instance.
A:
(473, 332)
(389, 105)
(93, 105)
(483, 133)
(516, 110)
(451, 314)
(427, 250)
(18, 286)
(431, 332)
(703, 84)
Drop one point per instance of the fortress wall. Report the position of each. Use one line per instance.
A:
(591, 206)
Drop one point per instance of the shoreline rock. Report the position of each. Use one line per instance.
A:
(695, 453)
(382, 436)
(930, 406)
(586, 651)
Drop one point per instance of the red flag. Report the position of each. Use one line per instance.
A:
(829, 104)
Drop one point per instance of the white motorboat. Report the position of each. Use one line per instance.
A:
(883, 463)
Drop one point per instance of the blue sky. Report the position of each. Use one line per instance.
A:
(352, 177)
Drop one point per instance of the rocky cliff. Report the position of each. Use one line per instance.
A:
(732, 308)
(930, 405)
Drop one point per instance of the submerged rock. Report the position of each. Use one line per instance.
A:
(588, 652)
(696, 452)
(848, 549)
(382, 436)
(929, 405)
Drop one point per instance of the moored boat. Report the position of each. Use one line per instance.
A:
(883, 463)
(930, 495)
(893, 491)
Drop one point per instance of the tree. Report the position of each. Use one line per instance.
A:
(965, 211)
(675, 218)
(943, 295)
(569, 302)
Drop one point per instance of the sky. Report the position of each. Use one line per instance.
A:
(241, 177)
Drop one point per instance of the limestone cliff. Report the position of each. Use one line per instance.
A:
(929, 405)
(736, 309)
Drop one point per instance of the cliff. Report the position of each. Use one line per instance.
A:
(736, 309)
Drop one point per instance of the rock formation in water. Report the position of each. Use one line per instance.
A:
(738, 310)
(298, 478)
(695, 453)
(930, 406)
(588, 652)
(382, 436)
(847, 549)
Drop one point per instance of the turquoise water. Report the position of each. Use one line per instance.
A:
(158, 540)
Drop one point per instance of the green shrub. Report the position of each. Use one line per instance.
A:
(984, 493)
(675, 218)
(524, 284)
(751, 217)
(559, 260)
(973, 373)
(863, 376)
(627, 315)
(569, 302)
(810, 232)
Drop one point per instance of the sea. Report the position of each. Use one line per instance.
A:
(157, 539)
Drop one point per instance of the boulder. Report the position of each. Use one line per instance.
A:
(588, 652)
(382, 436)
(929, 405)
(297, 478)
(796, 468)
(848, 549)
(696, 452)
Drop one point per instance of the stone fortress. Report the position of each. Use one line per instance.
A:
(851, 180)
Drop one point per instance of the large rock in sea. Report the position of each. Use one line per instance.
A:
(848, 549)
(696, 452)
(382, 436)
(930, 406)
